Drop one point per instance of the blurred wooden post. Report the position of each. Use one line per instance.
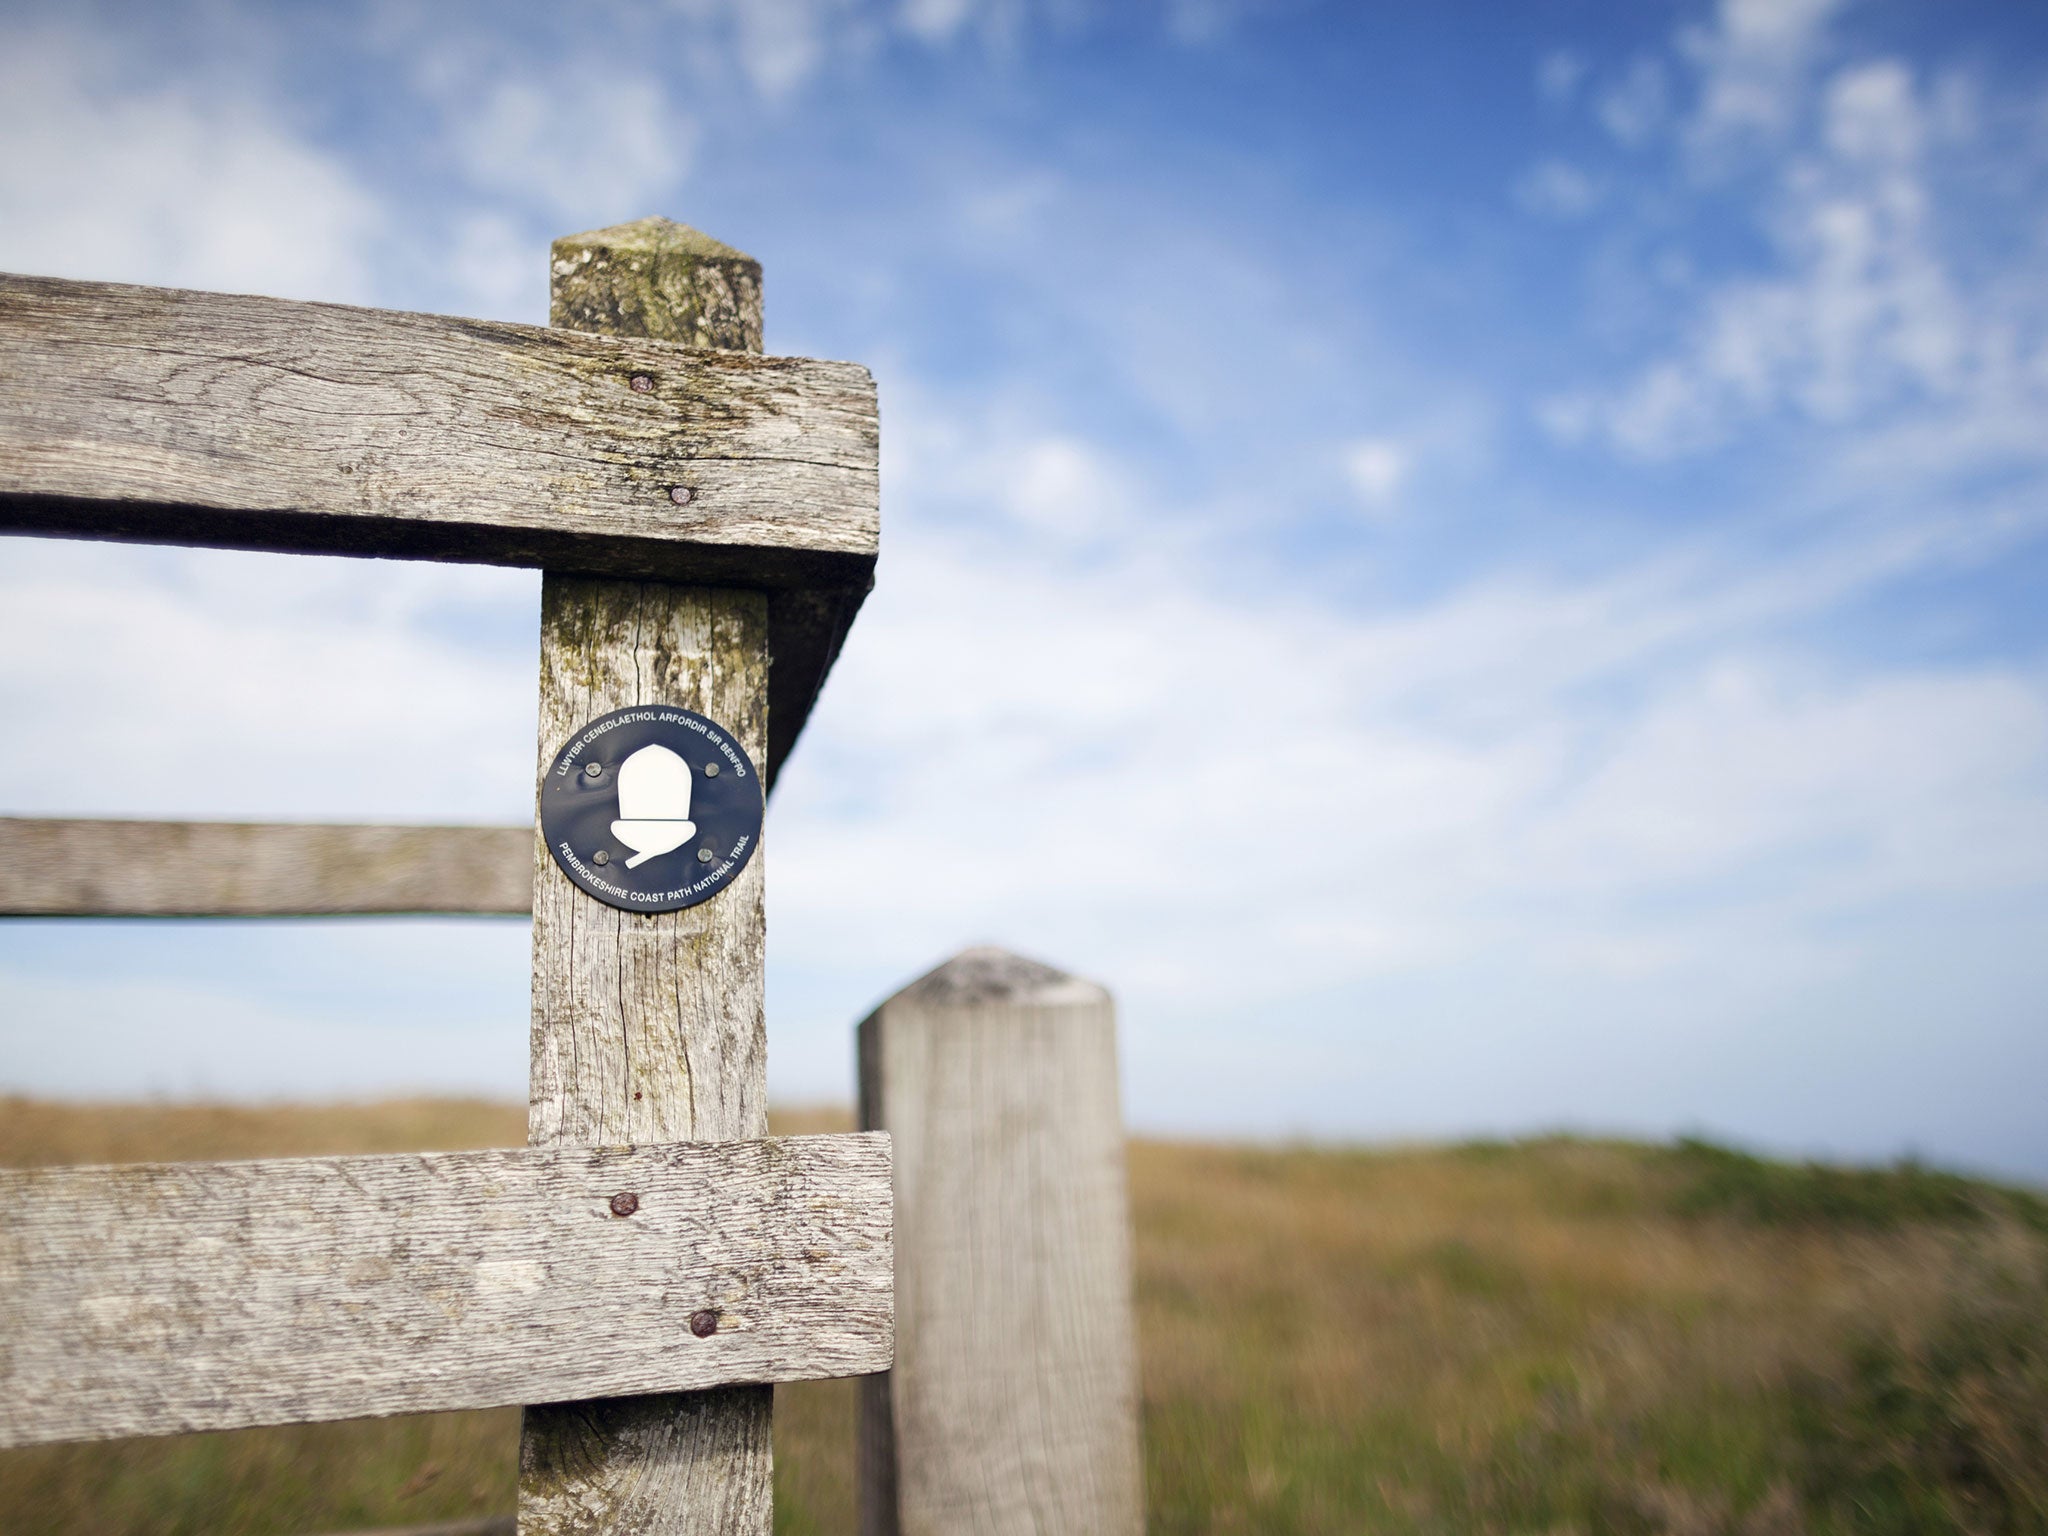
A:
(649, 1027)
(1013, 1406)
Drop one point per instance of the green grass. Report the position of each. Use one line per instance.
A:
(1942, 1428)
(1717, 1180)
(1555, 1336)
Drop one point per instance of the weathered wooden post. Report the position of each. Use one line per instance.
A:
(648, 1027)
(1013, 1407)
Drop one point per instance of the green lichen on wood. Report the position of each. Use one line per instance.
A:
(660, 279)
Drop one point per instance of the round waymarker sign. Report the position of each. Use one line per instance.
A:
(652, 809)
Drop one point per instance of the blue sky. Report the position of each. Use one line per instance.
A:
(1480, 565)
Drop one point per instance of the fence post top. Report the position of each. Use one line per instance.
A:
(660, 279)
(986, 974)
(654, 236)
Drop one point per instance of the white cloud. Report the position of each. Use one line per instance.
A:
(780, 42)
(1558, 190)
(1871, 114)
(199, 184)
(1377, 469)
(578, 143)
(1202, 22)
(209, 684)
(1860, 320)
(1130, 750)
(779, 46)
(453, 1020)
(1754, 59)
(1010, 208)
(492, 269)
(1636, 106)
(1856, 789)
(1062, 487)
(936, 21)
(1056, 490)
(1558, 74)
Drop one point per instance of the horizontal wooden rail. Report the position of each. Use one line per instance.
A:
(194, 1296)
(250, 423)
(107, 868)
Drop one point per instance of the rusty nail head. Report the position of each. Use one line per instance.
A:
(704, 1324)
(642, 384)
(636, 1093)
(680, 495)
(625, 1203)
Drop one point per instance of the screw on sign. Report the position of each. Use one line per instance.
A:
(652, 809)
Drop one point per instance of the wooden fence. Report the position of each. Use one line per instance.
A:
(639, 1274)
(706, 522)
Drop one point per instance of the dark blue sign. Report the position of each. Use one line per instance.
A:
(652, 809)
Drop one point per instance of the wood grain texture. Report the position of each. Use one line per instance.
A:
(1013, 1405)
(657, 278)
(160, 1298)
(272, 424)
(177, 417)
(107, 868)
(647, 1026)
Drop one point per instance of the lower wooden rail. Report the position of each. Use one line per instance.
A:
(161, 1298)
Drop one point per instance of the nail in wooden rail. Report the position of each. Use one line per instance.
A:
(1013, 1406)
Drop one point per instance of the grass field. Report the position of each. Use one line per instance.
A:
(1543, 1337)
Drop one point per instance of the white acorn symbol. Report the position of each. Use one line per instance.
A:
(654, 804)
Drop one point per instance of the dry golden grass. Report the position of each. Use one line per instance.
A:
(38, 1134)
(1483, 1339)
